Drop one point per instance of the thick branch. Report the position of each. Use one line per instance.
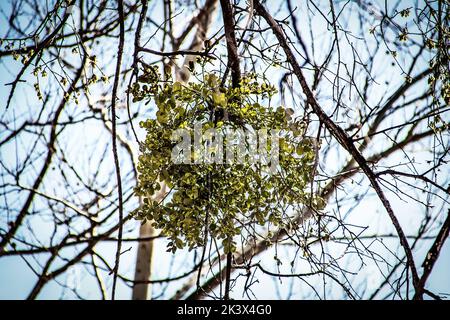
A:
(233, 57)
(432, 256)
(339, 134)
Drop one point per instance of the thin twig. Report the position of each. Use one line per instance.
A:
(114, 141)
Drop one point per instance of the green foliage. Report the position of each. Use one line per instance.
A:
(439, 81)
(218, 198)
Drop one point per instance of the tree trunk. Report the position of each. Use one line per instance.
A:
(143, 268)
(143, 263)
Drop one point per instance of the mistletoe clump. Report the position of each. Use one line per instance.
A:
(210, 198)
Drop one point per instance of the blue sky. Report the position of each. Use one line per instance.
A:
(16, 278)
